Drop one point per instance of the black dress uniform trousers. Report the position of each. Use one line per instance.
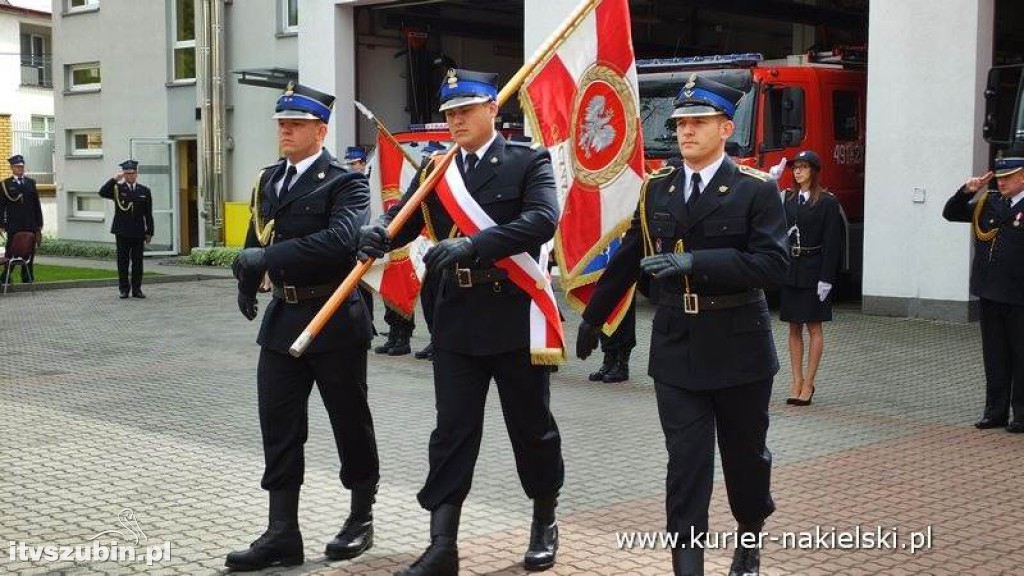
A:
(624, 337)
(461, 383)
(690, 420)
(129, 250)
(284, 384)
(1003, 349)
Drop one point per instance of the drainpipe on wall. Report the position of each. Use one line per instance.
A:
(210, 91)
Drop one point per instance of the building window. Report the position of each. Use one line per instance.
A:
(35, 61)
(85, 205)
(82, 5)
(845, 114)
(290, 16)
(86, 142)
(42, 126)
(184, 35)
(84, 77)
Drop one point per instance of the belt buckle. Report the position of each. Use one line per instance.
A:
(290, 296)
(463, 277)
(690, 303)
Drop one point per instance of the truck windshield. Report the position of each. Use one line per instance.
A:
(657, 95)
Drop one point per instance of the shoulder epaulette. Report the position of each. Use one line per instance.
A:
(662, 172)
(754, 173)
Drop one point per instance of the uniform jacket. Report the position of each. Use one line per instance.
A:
(820, 224)
(20, 209)
(133, 212)
(315, 229)
(997, 272)
(515, 186)
(737, 234)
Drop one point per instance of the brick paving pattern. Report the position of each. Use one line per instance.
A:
(151, 405)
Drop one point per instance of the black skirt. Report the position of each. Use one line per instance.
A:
(802, 305)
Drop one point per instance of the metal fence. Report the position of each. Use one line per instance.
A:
(35, 143)
(36, 71)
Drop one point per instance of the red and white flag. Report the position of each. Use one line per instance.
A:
(397, 276)
(582, 104)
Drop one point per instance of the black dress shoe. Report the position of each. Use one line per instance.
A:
(427, 353)
(138, 294)
(124, 294)
(688, 561)
(543, 547)
(280, 545)
(1015, 427)
(985, 423)
(745, 562)
(355, 538)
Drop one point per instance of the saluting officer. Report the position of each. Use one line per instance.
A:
(481, 322)
(997, 219)
(712, 235)
(307, 210)
(132, 226)
(20, 210)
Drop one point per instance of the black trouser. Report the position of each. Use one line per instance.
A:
(284, 384)
(1002, 345)
(28, 273)
(398, 322)
(129, 249)
(689, 420)
(460, 387)
(624, 337)
(428, 294)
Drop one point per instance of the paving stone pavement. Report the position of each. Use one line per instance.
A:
(150, 405)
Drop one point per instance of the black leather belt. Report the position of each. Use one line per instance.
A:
(296, 294)
(695, 304)
(468, 277)
(798, 250)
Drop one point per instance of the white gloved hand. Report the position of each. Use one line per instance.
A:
(776, 171)
(823, 289)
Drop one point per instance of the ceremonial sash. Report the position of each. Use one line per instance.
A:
(547, 343)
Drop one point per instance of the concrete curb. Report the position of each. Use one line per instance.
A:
(104, 282)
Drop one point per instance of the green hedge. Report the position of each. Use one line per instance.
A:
(220, 256)
(76, 248)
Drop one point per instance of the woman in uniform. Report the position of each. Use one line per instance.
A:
(815, 227)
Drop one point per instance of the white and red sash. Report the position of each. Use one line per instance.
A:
(547, 342)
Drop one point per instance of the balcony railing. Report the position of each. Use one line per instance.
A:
(36, 71)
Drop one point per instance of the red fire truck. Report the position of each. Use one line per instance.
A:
(815, 101)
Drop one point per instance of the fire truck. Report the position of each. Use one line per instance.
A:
(815, 101)
(1004, 106)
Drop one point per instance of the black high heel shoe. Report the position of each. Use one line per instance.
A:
(799, 402)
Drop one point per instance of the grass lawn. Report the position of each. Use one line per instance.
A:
(50, 273)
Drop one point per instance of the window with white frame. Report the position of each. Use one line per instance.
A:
(42, 126)
(84, 77)
(184, 37)
(85, 205)
(88, 142)
(289, 16)
(82, 5)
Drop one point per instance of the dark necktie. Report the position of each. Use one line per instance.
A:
(800, 199)
(287, 181)
(1009, 202)
(694, 190)
(18, 181)
(471, 160)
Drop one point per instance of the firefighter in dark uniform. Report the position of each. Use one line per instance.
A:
(814, 224)
(481, 323)
(20, 210)
(430, 284)
(997, 219)
(307, 210)
(711, 235)
(355, 159)
(132, 226)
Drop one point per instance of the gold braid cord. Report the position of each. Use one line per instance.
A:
(431, 233)
(20, 197)
(264, 232)
(117, 200)
(976, 222)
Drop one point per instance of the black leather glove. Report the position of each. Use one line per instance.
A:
(373, 242)
(247, 305)
(249, 262)
(667, 265)
(448, 252)
(586, 340)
